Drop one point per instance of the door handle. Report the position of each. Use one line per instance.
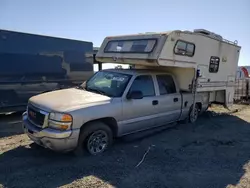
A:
(176, 99)
(155, 102)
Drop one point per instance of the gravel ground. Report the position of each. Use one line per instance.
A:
(213, 153)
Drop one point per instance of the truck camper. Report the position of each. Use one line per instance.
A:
(175, 76)
(184, 54)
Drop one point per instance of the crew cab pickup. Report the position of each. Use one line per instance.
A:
(112, 103)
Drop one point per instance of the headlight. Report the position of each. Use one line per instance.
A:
(60, 117)
(60, 121)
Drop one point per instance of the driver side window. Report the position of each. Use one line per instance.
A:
(144, 84)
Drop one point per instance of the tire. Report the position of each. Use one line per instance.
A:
(91, 135)
(192, 119)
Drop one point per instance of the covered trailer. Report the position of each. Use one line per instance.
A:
(201, 61)
(33, 64)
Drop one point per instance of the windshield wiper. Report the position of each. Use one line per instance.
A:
(97, 91)
(80, 87)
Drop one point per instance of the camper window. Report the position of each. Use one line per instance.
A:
(130, 46)
(184, 48)
(166, 84)
(214, 64)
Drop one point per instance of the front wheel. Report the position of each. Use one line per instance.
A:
(95, 138)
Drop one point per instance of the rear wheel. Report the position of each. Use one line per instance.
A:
(94, 139)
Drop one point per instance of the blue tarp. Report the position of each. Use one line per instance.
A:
(20, 54)
(27, 64)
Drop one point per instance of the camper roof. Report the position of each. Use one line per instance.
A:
(138, 34)
(203, 32)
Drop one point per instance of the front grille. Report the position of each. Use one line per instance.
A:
(36, 116)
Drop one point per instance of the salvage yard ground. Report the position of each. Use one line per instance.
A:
(214, 153)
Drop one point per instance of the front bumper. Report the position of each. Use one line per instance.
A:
(56, 140)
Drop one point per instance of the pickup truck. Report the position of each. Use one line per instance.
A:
(112, 103)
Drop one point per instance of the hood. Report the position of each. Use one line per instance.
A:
(67, 99)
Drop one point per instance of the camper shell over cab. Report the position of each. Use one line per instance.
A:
(181, 53)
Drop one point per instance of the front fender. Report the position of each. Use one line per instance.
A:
(82, 116)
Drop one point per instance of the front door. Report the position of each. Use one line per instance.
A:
(139, 114)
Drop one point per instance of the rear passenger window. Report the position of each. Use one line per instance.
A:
(166, 84)
(144, 84)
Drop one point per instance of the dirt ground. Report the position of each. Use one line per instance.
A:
(213, 153)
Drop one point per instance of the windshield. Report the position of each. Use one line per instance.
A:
(107, 83)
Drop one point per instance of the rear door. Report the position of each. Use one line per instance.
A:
(169, 100)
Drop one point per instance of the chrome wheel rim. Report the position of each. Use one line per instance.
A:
(193, 117)
(97, 142)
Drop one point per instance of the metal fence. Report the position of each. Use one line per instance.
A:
(242, 90)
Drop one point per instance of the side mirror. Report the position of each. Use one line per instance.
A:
(135, 95)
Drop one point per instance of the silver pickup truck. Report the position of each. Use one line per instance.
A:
(112, 103)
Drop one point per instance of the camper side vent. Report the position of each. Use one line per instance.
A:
(208, 33)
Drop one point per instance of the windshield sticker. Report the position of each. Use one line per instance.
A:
(119, 79)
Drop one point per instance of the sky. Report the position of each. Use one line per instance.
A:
(93, 20)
